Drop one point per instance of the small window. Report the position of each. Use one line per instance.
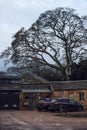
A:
(81, 96)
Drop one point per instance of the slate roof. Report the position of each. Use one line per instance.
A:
(52, 86)
(26, 87)
(36, 88)
(69, 85)
(9, 88)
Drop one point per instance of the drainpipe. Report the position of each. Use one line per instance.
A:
(52, 90)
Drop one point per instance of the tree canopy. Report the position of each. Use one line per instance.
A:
(57, 39)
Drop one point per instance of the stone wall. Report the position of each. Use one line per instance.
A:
(74, 94)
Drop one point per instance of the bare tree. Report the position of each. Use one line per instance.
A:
(56, 39)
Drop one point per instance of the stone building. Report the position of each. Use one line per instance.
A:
(76, 90)
(14, 94)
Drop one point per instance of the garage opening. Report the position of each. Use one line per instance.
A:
(9, 99)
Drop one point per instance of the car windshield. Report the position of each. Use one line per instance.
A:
(44, 100)
(57, 100)
(54, 100)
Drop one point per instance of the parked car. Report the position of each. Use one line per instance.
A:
(65, 105)
(43, 104)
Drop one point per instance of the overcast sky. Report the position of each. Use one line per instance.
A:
(15, 14)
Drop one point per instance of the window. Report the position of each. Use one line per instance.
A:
(81, 96)
(72, 101)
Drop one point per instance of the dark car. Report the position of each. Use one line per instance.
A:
(65, 105)
(43, 104)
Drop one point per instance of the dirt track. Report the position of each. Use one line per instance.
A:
(34, 120)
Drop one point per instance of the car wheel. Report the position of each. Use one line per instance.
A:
(47, 109)
(52, 110)
(61, 108)
(39, 109)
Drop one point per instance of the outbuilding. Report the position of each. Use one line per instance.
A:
(18, 95)
(31, 93)
(76, 90)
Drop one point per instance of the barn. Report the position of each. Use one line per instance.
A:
(76, 90)
(17, 95)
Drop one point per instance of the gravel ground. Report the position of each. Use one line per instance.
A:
(34, 120)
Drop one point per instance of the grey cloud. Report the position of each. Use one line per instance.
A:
(15, 14)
